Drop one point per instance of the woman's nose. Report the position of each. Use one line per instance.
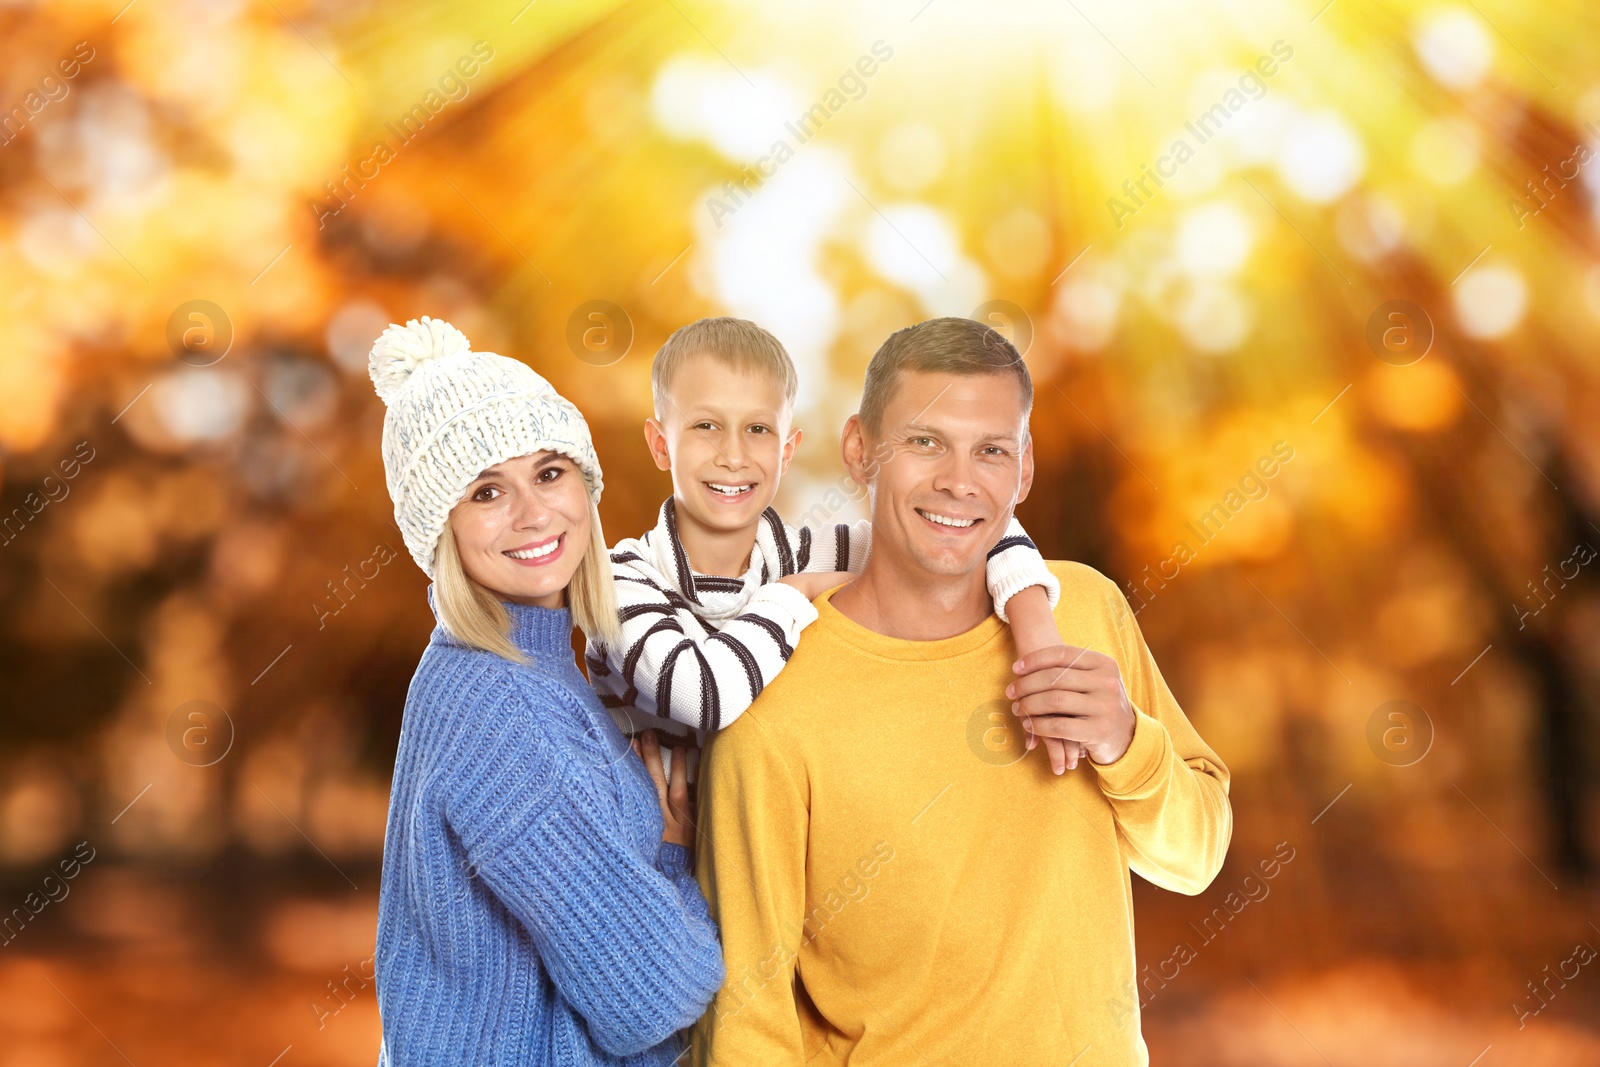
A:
(531, 513)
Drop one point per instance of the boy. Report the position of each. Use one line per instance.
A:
(714, 598)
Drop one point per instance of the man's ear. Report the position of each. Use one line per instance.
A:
(1027, 471)
(655, 439)
(853, 450)
(788, 450)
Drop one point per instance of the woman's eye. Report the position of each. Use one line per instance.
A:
(549, 474)
(483, 493)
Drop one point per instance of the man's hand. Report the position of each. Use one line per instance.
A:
(1076, 694)
(814, 583)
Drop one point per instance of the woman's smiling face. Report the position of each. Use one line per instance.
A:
(523, 526)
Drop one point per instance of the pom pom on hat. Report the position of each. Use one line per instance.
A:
(399, 350)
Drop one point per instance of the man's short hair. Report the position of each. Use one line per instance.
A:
(738, 343)
(948, 345)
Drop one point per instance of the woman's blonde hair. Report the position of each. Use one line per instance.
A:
(475, 615)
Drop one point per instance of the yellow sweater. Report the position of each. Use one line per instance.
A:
(898, 881)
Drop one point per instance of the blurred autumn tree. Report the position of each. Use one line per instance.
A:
(314, 171)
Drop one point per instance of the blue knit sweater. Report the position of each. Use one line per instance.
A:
(529, 911)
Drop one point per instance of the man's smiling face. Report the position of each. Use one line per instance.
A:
(952, 461)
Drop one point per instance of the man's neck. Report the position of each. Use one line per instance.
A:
(710, 551)
(905, 602)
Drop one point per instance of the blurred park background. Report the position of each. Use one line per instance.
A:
(1351, 243)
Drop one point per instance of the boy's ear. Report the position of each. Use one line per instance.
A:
(789, 447)
(655, 439)
(853, 450)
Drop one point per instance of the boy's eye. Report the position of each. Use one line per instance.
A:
(759, 429)
(703, 426)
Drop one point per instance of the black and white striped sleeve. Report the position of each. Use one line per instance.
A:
(1014, 562)
(836, 547)
(671, 664)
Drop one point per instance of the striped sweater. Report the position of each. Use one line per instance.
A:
(697, 649)
(529, 912)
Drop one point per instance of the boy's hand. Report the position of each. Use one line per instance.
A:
(1064, 755)
(1076, 694)
(814, 583)
(677, 803)
(1034, 628)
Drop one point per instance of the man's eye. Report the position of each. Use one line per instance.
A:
(922, 442)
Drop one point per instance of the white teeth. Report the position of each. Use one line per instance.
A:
(729, 490)
(535, 553)
(945, 520)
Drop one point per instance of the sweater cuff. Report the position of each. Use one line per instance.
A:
(1007, 585)
(1147, 756)
(791, 600)
(673, 859)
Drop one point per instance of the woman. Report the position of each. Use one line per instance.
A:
(536, 904)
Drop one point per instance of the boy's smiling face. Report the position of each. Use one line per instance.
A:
(724, 434)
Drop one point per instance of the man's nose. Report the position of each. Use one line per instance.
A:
(956, 473)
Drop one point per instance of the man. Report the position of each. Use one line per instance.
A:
(896, 878)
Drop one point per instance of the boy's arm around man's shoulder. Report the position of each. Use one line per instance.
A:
(1014, 563)
(669, 663)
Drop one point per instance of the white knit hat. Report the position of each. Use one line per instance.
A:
(453, 413)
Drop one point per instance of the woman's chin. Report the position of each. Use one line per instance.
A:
(541, 594)
(539, 590)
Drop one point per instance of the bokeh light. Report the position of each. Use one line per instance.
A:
(187, 524)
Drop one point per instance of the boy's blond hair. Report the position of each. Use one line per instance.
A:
(476, 617)
(739, 343)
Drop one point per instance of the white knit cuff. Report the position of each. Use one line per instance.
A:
(1006, 581)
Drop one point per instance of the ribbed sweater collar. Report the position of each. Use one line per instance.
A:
(536, 631)
(770, 559)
